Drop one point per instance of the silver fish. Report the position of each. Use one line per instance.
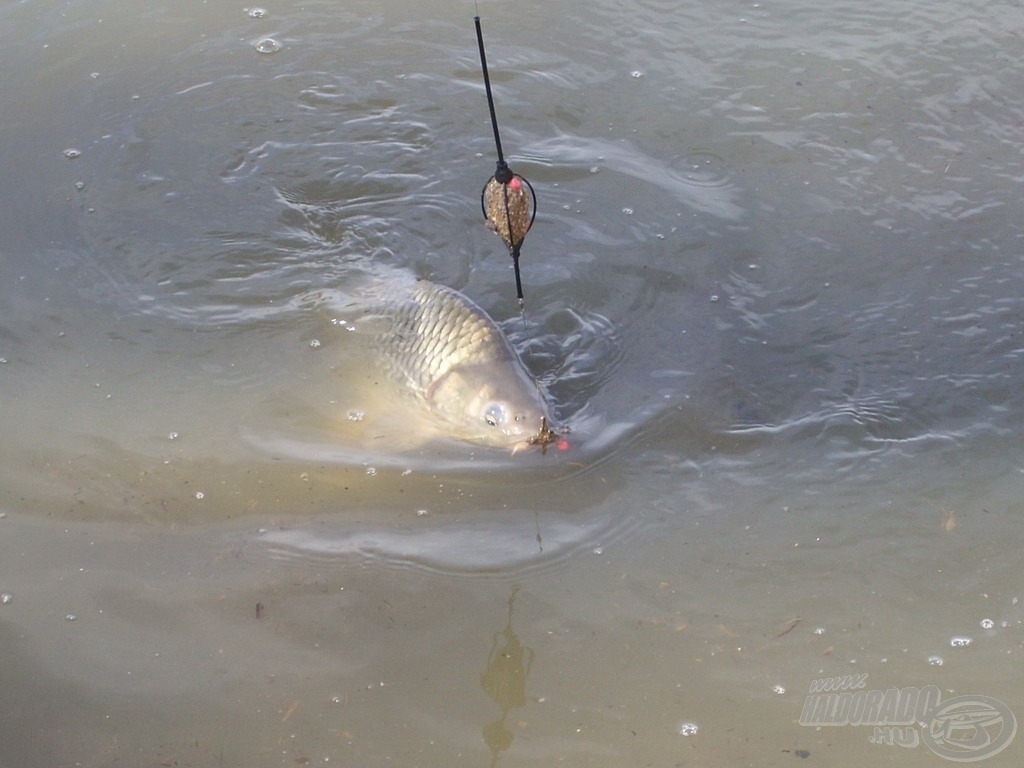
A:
(449, 354)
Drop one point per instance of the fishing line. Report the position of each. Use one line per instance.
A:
(507, 200)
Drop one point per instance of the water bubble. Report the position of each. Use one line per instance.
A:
(336, 699)
(779, 689)
(819, 631)
(371, 471)
(5, 598)
(79, 185)
(637, 74)
(598, 550)
(987, 624)
(628, 211)
(355, 415)
(935, 660)
(267, 45)
(714, 297)
(70, 617)
(200, 495)
(314, 343)
(256, 13)
(595, 169)
(422, 513)
(688, 729)
(173, 435)
(94, 75)
(71, 153)
(960, 641)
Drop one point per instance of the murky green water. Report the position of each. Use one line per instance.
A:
(774, 286)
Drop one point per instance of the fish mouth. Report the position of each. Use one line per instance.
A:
(545, 437)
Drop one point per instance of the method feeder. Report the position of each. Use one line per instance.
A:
(507, 199)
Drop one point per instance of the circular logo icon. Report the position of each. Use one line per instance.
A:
(969, 728)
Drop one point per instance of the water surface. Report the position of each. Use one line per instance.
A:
(773, 286)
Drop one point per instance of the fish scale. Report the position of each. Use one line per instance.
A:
(445, 351)
(437, 329)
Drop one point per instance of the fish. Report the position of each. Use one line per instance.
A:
(450, 356)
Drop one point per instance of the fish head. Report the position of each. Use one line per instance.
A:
(493, 404)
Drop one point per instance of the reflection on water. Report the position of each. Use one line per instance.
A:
(504, 680)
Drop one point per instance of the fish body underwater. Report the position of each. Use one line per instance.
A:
(447, 353)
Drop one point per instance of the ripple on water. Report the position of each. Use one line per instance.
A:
(575, 352)
(512, 542)
(698, 182)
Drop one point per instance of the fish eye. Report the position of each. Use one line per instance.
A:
(494, 414)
